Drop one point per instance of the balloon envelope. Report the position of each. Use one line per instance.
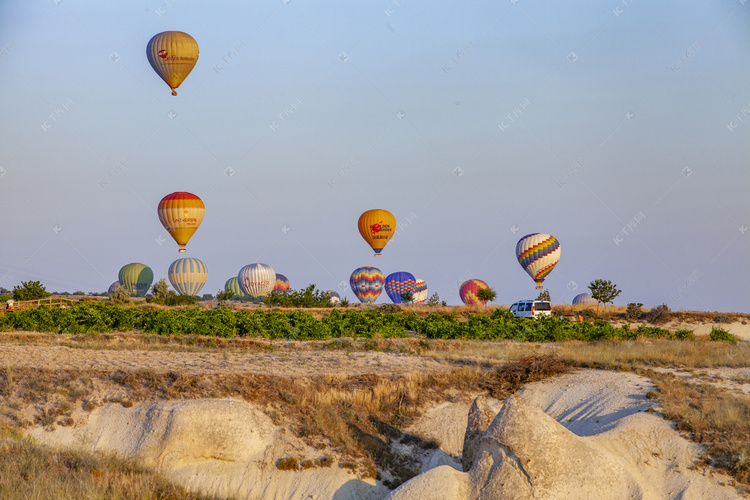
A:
(181, 214)
(376, 227)
(188, 275)
(257, 280)
(232, 285)
(333, 296)
(468, 292)
(172, 54)
(367, 283)
(584, 299)
(420, 294)
(281, 283)
(113, 287)
(538, 254)
(136, 278)
(398, 283)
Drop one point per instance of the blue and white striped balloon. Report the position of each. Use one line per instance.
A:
(188, 275)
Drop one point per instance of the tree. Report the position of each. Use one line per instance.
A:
(407, 297)
(30, 290)
(603, 291)
(120, 296)
(160, 289)
(434, 300)
(544, 295)
(224, 296)
(486, 295)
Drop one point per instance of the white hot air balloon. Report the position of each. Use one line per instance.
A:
(584, 299)
(257, 280)
(188, 275)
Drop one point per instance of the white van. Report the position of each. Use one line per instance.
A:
(531, 308)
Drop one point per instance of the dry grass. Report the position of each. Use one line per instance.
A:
(29, 470)
(712, 416)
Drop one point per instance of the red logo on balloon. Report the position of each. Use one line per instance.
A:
(375, 228)
(163, 53)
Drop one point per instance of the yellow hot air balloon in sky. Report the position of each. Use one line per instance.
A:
(173, 55)
(376, 227)
(181, 213)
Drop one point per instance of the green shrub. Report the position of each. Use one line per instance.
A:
(634, 311)
(721, 335)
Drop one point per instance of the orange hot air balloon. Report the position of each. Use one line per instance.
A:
(376, 227)
(181, 213)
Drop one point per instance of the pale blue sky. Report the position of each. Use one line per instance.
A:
(621, 128)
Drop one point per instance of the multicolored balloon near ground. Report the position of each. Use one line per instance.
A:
(257, 280)
(420, 295)
(469, 290)
(376, 227)
(538, 254)
(173, 55)
(232, 285)
(398, 283)
(188, 275)
(584, 299)
(136, 278)
(181, 213)
(113, 287)
(333, 297)
(281, 283)
(367, 283)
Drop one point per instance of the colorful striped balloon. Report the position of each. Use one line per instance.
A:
(257, 280)
(538, 254)
(469, 290)
(136, 278)
(188, 275)
(367, 283)
(584, 299)
(282, 283)
(232, 285)
(420, 295)
(333, 296)
(181, 213)
(398, 283)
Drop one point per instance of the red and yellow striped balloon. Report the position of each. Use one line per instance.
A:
(469, 290)
(181, 213)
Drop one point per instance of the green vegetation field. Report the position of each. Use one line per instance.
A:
(301, 325)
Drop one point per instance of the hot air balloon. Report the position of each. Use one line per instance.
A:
(468, 292)
(398, 283)
(113, 287)
(333, 297)
(232, 285)
(257, 280)
(367, 283)
(420, 295)
(173, 55)
(188, 275)
(136, 278)
(584, 299)
(281, 283)
(538, 254)
(181, 213)
(376, 227)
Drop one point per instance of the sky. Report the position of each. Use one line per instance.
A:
(620, 127)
